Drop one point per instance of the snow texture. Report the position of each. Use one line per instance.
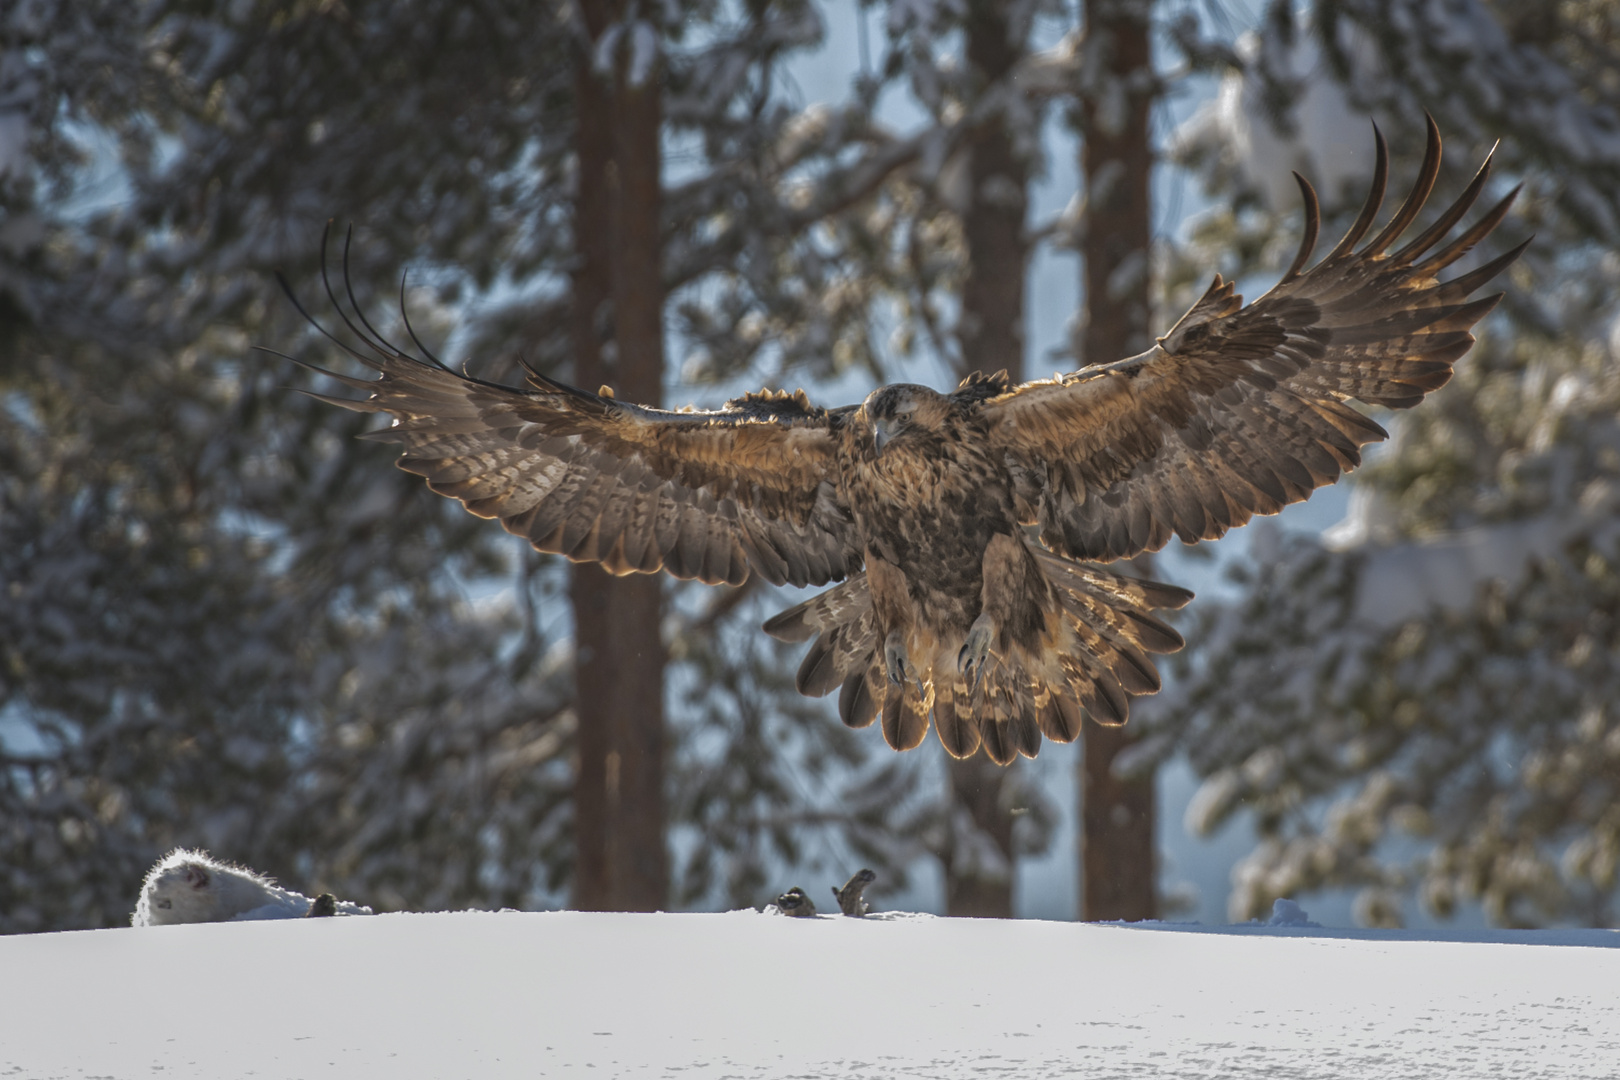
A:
(749, 995)
(1401, 581)
(193, 887)
(643, 52)
(1327, 140)
(1458, 57)
(1289, 913)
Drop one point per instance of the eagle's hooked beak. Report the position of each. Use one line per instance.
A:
(883, 430)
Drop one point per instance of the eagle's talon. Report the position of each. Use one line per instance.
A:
(898, 664)
(975, 654)
(894, 658)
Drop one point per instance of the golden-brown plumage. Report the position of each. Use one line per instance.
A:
(947, 612)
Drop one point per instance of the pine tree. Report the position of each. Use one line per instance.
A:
(1421, 703)
(224, 634)
(268, 646)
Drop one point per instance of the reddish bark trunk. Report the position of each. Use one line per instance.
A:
(992, 330)
(1117, 816)
(991, 337)
(972, 888)
(621, 860)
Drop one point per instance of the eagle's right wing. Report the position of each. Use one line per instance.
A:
(701, 494)
(1243, 410)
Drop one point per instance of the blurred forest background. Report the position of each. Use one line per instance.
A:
(225, 623)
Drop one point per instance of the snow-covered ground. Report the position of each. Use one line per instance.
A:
(747, 995)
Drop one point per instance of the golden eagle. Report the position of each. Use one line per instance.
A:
(916, 502)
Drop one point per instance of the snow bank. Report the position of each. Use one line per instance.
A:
(749, 995)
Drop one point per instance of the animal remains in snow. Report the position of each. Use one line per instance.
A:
(851, 898)
(916, 501)
(193, 887)
(795, 903)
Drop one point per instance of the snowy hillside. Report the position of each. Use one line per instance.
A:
(748, 995)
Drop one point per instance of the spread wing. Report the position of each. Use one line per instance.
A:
(1242, 410)
(700, 494)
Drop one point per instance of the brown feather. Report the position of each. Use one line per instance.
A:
(953, 719)
(905, 717)
(857, 705)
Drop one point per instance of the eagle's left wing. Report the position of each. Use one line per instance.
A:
(1242, 410)
(701, 494)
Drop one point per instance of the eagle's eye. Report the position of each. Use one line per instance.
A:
(891, 421)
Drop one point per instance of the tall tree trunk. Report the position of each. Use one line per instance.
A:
(976, 887)
(621, 860)
(1117, 816)
(991, 336)
(992, 329)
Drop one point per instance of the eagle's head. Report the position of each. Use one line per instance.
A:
(892, 411)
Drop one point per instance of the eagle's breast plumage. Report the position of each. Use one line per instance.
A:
(928, 503)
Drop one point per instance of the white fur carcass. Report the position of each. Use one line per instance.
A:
(192, 887)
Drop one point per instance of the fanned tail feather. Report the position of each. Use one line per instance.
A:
(905, 714)
(1096, 659)
(954, 721)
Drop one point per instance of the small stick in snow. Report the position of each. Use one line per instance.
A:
(850, 900)
(796, 903)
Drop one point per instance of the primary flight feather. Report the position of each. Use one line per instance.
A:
(915, 502)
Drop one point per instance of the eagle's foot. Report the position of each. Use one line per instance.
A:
(975, 652)
(898, 664)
